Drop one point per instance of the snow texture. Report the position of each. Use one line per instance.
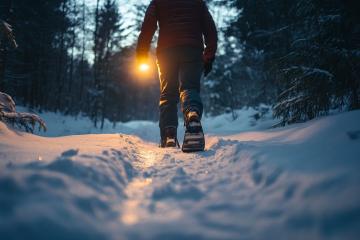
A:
(297, 182)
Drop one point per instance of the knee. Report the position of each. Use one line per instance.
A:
(190, 94)
(169, 99)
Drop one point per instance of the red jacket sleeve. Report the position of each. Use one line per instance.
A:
(148, 29)
(210, 35)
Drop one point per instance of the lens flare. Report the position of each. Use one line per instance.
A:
(144, 67)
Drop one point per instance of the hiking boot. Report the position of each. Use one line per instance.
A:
(168, 138)
(194, 139)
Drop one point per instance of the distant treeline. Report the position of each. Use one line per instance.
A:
(70, 59)
(301, 57)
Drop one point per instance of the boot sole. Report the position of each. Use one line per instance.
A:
(193, 142)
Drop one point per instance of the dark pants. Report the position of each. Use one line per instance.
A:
(180, 71)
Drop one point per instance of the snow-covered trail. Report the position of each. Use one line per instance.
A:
(290, 183)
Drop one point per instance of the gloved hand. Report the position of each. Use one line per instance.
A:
(208, 66)
(142, 57)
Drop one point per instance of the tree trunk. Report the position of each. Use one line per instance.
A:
(96, 67)
(82, 53)
(60, 70)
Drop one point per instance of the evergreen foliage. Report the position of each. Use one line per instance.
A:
(69, 57)
(26, 121)
(305, 54)
(301, 57)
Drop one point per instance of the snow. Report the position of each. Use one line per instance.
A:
(60, 125)
(297, 182)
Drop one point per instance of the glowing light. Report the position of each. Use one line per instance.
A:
(144, 67)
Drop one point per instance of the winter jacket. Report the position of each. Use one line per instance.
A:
(181, 23)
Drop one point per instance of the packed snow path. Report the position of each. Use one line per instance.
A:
(299, 182)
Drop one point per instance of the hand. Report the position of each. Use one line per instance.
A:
(142, 57)
(208, 66)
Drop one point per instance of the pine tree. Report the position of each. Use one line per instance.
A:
(107, 40)
(305, 50)
(319, 72)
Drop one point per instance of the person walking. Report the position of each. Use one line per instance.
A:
(185, 26)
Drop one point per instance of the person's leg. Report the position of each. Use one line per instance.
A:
(169, 93)
(191, 68)
(190, 71)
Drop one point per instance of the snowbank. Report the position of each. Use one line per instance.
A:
(298, 182)
(60, 125)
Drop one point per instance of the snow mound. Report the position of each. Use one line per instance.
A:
(298, 182)
(248, 119)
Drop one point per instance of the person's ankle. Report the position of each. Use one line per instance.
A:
(192, 116)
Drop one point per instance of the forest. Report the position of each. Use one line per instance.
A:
(274, 156)
(302, 58)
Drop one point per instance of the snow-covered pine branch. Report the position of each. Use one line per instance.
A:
(306, 94)
(7, 30)
(26, 121)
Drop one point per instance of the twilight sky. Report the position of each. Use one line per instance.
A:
(221, 15)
